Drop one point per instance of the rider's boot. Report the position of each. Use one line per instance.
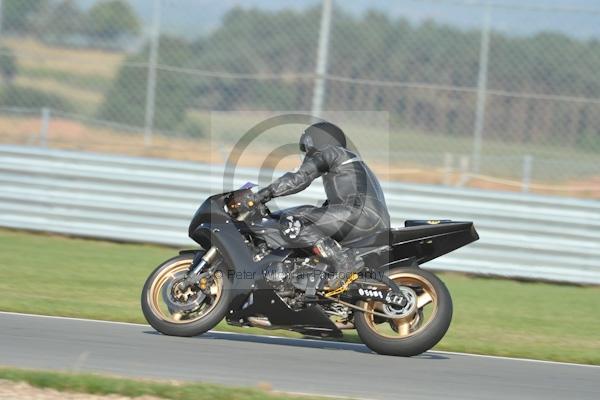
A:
(343, 262)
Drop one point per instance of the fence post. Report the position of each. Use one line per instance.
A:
(465, 175)
(151, 84)
(45, 126)
(481, 89)
(322, 55)
(527, 171)
(448, 164)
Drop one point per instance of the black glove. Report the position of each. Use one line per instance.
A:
(264, 195)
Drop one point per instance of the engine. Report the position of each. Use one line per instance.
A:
(296, 272)
(291, 277)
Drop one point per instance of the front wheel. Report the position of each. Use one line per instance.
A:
(422, 323)
(192, 312)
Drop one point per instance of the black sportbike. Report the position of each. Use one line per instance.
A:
(245, 272)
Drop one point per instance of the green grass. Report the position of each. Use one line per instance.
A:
(102, 385)
(102, 280)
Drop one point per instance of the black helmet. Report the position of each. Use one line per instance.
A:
(320, 135)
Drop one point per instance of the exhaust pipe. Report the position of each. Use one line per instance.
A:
(344, 325)
(259, 322)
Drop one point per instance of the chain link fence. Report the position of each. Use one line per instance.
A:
(491, 94)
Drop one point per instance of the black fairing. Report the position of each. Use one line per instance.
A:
(210, 212)
(421, 241)
(268, 229)
(310, 321)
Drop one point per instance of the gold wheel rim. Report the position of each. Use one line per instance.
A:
(168, 273)
(415, 322)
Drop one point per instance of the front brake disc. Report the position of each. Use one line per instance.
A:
(178, 301)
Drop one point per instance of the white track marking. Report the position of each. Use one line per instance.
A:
(304, 340)
(70, 318)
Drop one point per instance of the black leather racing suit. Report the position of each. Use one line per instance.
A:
(355, 204)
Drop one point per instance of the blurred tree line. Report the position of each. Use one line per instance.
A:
(374, 47)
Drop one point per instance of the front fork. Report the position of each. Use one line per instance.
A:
(199, 264)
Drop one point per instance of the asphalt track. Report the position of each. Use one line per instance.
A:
(293, 365)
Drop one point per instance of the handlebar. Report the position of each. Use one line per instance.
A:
(242, 204)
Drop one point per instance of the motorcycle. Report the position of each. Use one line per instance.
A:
(246, 272)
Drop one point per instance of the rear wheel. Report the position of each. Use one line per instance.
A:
(189, 312)
(423, 321)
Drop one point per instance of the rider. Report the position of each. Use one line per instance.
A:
(355, 205)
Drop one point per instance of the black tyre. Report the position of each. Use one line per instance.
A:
(166, 318)
(421, 327)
